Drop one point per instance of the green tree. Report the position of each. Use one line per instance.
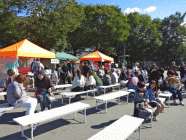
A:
(143, 41)
(172, 39)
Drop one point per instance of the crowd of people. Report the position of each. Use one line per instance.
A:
(84, 77)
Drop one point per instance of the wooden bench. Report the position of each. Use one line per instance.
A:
(110, 96)
(71, 95)
(120, 129)
(49, 115)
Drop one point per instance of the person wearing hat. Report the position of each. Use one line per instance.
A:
(182, 69)
(135, 68)
(44, 90)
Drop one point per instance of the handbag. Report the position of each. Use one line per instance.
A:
(85, 88)
(143, 113)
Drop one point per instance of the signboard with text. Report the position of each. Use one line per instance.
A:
(54, 61)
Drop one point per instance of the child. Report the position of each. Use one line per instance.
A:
(140, 97)
(153, 99)
(55, 76)
(177, 85)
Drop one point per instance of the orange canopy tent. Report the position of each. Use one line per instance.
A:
(25, 48)
(97, 56)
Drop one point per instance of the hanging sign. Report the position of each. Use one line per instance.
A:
(54, 61)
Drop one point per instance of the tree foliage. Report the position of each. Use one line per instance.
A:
(66, 25)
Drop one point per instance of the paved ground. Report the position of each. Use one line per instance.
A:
(170, 125)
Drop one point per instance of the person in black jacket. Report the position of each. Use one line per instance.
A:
(158, 76)
(44, 87)
(69, 71)
(182, 69)
(63, 72)
(123, 75)
(85, 69)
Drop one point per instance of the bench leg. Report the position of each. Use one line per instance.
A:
(96, 104)
(1, 114)
(104, 90)
(22, 133)
(151, 119)
(106, 107)
(85, 114)
(75, 116)
(62, 100)
(127, 98)
(139, 132)
(32, 132)
(69, 100)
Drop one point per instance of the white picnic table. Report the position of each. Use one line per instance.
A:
(105, 98)
(3, 93)
(49, 115)
(166, 94)
(71, 94)
(120, 129)
(109, 86)
(62, 86)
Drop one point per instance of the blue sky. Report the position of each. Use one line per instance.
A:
(154, 8)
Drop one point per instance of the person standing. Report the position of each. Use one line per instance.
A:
(55, 76)
(32, 65)
(36, 67)
(69, 71)
(182, 69)
(85, 69)
(81, 66)
(135, 68)
(63, 73)
(74, 68)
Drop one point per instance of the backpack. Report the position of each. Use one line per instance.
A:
(36, 67)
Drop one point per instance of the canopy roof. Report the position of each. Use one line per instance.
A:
(97, 56)
(64, 56)
(25, 48)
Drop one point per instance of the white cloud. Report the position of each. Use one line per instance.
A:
(129, 10)
(150, 9)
